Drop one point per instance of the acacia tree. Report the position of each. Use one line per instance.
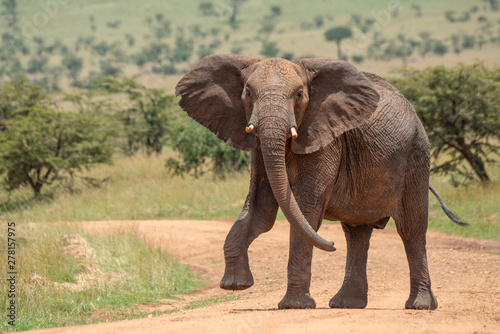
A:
(459, 108)
(235, 9)
(337, 34)
(39, 145)
(145, 118)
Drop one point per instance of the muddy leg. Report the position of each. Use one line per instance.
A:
(411, 223)
(299, 266)
(258, 216)
(354, 290)
(414, 240)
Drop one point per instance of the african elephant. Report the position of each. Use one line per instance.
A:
(328, 142)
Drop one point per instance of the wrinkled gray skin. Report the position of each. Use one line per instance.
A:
(361, 157)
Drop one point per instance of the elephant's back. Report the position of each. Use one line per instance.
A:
(394, 126)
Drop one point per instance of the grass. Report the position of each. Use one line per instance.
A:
(150, 278)
(67, 22)
(137, 188)
(476, 204)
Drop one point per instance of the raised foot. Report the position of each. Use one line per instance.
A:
(297, 301)
(235, 279)
(424, 300)
(345, 300)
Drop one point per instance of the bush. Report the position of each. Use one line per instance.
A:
(358, 59)
(165, 69)
(201, 151)
(458, 107)
(440, 48)
(269, 49)
(46, 146)
(207, 8)
(73, 64)
(145, 120)
(107, 68)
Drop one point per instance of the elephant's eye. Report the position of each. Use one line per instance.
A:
(247, 92)
(300, 94)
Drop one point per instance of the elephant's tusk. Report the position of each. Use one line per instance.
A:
(294, 133)
(249, 128)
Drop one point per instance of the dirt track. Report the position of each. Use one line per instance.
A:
(465, 276)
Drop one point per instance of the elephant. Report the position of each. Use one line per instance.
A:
(327, 142)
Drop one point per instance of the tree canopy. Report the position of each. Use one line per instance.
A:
(459, 108)
(40, 145)
(337, 34)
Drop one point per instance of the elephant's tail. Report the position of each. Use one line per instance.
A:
(451, 214)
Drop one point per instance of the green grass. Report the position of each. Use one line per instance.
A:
(151, 277)
(476, 204)
(137, 188)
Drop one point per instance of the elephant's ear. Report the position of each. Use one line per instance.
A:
(341, 98)
(211, 94)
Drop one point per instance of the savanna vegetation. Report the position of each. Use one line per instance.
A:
(61, 44)
(89, 129)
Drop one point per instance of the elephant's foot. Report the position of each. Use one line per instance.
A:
(237, 277)
(347, 298)
(424, 300)
(297, 301)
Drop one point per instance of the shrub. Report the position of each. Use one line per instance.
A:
(46, 146)
(201, 151)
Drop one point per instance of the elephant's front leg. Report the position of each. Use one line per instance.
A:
(299, 267)
(257, 217)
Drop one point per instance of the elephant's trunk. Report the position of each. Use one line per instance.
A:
(273, 141)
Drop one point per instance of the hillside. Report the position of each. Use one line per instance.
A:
(62, 43)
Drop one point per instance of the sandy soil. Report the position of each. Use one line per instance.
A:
(465, 274)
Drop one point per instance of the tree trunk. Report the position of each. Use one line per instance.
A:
(477, 165)
(339, 51)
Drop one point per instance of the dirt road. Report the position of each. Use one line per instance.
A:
(465, 276)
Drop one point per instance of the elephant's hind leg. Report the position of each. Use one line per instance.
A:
(414, 240)
(354, 290)
(412, 224)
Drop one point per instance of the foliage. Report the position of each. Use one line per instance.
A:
(358, 59)
(200, 149)
(11, 10)
(235, 6)
(183, 50)
(400, 47)
(337, 34)
(269, 49)
(73, 64)
(494, 4)
(37, 64)
(171, 45)
(459, 108)
(46, 146)
(207, 8)
(17, 98)
(145, 119)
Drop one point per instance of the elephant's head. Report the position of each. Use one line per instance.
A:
(247, 102)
